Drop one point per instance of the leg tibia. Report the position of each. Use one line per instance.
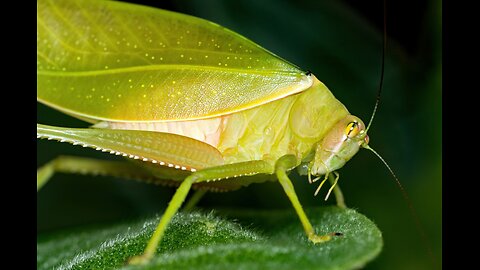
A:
(69, 164)
(337, 191)
(192, 202)
(219, 172)
(283, 164)
(172, 208)
(44, 174)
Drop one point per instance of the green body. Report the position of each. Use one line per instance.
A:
(188, 101)
(291, 125)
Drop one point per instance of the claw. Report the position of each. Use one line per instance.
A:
(316, 239)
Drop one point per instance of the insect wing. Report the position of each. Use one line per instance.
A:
(105, 60)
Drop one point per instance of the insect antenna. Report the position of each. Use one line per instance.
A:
(418, 224)
(384, 49)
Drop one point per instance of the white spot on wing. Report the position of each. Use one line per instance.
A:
(118, 153)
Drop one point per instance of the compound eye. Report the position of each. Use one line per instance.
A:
(352, 129)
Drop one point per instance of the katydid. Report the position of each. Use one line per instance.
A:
(187, 103)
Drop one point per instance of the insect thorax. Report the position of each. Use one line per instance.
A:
(292, 125)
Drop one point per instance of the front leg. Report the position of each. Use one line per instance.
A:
(283, 165)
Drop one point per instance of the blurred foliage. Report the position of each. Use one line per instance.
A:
(342, 47)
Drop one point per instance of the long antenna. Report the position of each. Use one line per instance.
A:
(404, 192)
(384, 49)
(410, 206)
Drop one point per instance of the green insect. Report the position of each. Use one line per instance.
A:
(186, 102)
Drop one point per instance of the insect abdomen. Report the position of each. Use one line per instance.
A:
(205, 130)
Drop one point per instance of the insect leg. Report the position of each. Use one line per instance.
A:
(81, 165)
(284, 164)
(212, 173)
(149, 146)
(196, 197)
(321, 184)
(333, 186)
(337, 191)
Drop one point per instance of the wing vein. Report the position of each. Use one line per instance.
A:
(165, 67)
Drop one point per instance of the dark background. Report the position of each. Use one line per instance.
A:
(341, 43)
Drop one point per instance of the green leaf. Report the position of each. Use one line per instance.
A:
(261, 240)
